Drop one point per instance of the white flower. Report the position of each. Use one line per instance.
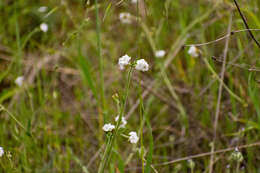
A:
(42, 9)
(193, 51)
(124, 61)
(123, 121)
(44, 27)
(19, 81)
(160, 53)
(125, 18)
(134, 1)
(142, 65)
(108, 127)
(1, 151)
(133, 138)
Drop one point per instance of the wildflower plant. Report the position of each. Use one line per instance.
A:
(120, 120)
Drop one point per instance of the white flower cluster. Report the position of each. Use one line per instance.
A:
(1, 151)
(133, 138)
(42, 9)
(19, 81)
(141, 64)
(125, 18)
(123, 121)
(160, 53)
(193, 51)
(44, 27)
(108, 127)
(124, 61)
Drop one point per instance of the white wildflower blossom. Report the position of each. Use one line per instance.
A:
(124, 61)
(133, 138)
(193, 51)
(125, 18)
(42, 9)
(133, 1)
(19, 81)
(1, 151)
(160, 53)
(123, 121)
(44, 27)
(142, 65)
(108, 127)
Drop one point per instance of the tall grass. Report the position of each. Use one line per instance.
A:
(72, 86)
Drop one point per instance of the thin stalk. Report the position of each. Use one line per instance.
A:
(223, 70)
(107, 153)
(237, 167)
(224, 85)
(2, 108)
(180, 106)
(246, 24)
(141, 128)
(18, 41)
(101, 62)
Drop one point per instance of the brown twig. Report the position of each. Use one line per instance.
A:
(207, 154)
(219, 97)
(221, 38)
(249, 68)
(245, 22)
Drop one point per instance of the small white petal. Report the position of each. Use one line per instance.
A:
(134, 1)
(160, 53)
(133, 138)
(43, 9)
(44, 27)
(142, 65)
(193, 51)
(124, 61)
(123, 121)
(1, 151)
(125, 18)
(108, 127)
(19, 81)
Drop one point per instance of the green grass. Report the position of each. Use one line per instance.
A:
(73, 86)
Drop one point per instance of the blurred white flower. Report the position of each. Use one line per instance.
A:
(124, 61)
(133, 1)
(160, 53)
(108, 127)
(142, 65)
(191, 164)
(125, 18)
(19, 81)
(44, 27)
(123, 121)
(1, 151)
(133, 138)
(193, 51)
(42, 9)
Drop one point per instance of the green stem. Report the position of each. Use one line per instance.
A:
(12, 116)
(107, 153)
(180, 106)
(101, 63)
(224, 85)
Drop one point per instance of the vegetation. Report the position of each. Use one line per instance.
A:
(196, 109)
